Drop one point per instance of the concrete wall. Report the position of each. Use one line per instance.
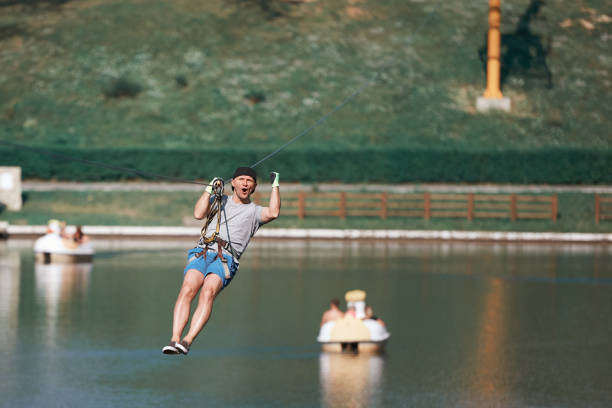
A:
(10, 188)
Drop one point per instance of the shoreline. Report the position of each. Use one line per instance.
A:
(8, 231)
(488, 188)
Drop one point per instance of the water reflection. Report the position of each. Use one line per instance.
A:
(474, 325)
(56, 285)
(301, 248)
(350, 380)
(492, 352)
(10, 276)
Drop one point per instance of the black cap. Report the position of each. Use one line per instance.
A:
(245, 171)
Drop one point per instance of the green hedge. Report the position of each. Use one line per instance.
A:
(554, 166)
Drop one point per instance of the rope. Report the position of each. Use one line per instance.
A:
(97, 163)
(215, 209)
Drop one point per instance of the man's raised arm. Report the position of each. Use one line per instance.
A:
(272, 211)
(200, 210)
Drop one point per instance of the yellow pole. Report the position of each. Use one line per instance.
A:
(493, 51)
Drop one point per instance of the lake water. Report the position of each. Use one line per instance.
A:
(472, 325)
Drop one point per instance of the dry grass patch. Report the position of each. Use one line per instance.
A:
(464, 99)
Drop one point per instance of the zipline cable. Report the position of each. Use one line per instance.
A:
(321, 120)
(49, 153)
(337, 108)
(317, 123)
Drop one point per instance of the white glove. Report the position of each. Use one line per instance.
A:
(274, 177)
(209, 187)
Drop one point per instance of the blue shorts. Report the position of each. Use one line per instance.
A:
(212, 264)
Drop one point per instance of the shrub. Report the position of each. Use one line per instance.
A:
(122, 88)
(390, 165)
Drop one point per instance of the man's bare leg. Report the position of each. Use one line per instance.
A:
(211, 288)
(192, 282)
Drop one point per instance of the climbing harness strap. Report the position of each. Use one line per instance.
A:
(218, 254)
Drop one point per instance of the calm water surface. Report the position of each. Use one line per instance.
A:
(472, 325)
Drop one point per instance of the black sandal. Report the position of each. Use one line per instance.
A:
(182, 347)
(171, 348)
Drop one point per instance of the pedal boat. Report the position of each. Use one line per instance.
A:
(354, 333)
(52, 248)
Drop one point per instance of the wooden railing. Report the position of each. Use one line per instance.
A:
(423, 205)
(603, 208)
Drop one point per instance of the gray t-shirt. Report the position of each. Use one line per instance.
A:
(239, 222)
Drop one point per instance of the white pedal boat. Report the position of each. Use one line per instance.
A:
(354, 333)
(53, 248)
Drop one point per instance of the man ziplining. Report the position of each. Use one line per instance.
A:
(213, 263)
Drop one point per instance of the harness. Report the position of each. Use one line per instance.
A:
(215, 209)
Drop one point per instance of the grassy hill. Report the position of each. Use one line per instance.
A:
(193, 75)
